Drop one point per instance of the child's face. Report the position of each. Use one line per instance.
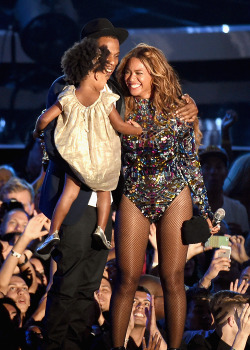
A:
(102, 78)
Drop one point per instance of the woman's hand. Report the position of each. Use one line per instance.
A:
(189, 112)
(213, 229)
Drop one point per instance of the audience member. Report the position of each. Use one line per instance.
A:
(103, 296)
(12, 337)
(15, 286)
(227, 122)
(20, 190)
(214, 164)
(237, 182)
(199, 317)
(245, 275)
(6, 172)
(13, 224)
(241, 340)
(225, 305)
(142, 327)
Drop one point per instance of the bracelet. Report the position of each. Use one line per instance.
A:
(25, 261)
(15, 254)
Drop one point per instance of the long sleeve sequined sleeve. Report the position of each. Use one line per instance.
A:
(190, 167)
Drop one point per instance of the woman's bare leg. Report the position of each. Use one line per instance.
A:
(131, 239)
(172, 259)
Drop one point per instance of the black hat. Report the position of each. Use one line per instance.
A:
(103, 27)
(213, 151)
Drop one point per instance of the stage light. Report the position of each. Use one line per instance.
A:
(47, 28)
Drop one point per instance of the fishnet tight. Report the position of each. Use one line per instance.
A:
(131, 240)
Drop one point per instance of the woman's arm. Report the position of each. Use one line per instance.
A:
(189, 164)
(45, 118)
(130, 128)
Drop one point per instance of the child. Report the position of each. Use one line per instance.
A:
(85, 135)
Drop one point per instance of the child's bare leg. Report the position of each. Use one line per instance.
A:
(70, 192)
(103, 208)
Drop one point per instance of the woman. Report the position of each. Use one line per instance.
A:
(161, 171)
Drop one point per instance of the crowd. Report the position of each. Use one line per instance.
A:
(78, 296)
(216, 287)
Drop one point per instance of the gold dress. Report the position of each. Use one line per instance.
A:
(85, 138)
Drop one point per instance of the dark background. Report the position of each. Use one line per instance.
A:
(35, 33)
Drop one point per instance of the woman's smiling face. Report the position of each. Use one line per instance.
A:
(137, 78)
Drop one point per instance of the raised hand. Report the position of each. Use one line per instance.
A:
(242, 288)
(154, 342)
(238, 251)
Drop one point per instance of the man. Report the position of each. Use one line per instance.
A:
(226, 306)
(103, 294)
(80, 263)
(20, 190)
(214, 164)
(199, 318)
(142, 325)
(19, 292)
(143, 318)
(13, 224)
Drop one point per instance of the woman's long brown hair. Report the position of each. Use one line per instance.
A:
(166, 88)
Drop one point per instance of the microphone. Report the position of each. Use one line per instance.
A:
(218, 216)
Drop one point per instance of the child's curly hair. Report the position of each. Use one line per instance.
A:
(83, 57)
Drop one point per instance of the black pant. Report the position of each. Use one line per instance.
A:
(70, 304)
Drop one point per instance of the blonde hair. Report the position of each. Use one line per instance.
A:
(166, 88)
(16, 184)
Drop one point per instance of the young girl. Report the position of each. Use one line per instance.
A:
(85, 135)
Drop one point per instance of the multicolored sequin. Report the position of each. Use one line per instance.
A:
(161, 162)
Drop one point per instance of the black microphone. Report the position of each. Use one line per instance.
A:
(218, 216)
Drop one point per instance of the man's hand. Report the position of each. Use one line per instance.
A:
(217, 264)
(243, 321)
(151, 318)
(154, 342)
(34, 227)
(242, 288)
(228, 120)
(195, 249)
(189, 112)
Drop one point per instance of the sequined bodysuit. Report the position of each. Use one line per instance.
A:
(161, 162)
